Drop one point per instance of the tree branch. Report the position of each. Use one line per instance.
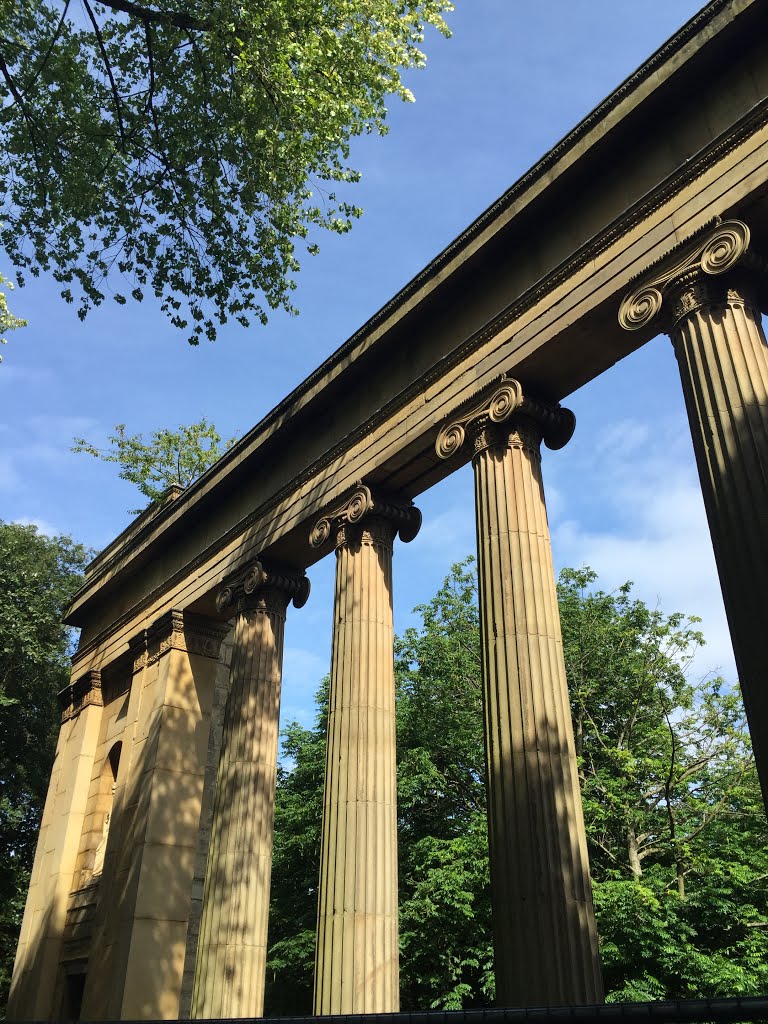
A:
(108, 66)
(49, 51)
(19, 99)
(175, 19)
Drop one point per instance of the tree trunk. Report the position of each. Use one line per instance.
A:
(633, 854)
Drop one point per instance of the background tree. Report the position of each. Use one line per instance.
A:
(675, 823)
(170, 457)
(189, 146)
(674, 818)
(38, 576)
(8, 322)
(296, 865)
(443, 843)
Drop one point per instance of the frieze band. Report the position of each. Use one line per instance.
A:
(365, 503)
(555, 424)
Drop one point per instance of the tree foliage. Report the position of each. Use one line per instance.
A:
(8, 321)
(38, 576)
(190, 146)
(170, 458)
(675, 824)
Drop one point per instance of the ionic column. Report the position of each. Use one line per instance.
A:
(545, 940)
(713, 318)
(231, 954)
(356, 967)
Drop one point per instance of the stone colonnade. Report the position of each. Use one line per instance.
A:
(707, 297)
(544, 929)
(545, 939)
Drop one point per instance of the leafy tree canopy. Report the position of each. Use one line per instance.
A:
(675, 824)
(170, 458)
(38, 576)
(190, 146)
(8, 322)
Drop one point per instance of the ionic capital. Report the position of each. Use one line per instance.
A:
(262, 587)
(695, 280)
(507, 416)
(367, 516)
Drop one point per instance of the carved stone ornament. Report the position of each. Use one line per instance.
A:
(83, 692)
(177, 630)
(507, 403)
(367, 504)
(723, 247)
(256, 584)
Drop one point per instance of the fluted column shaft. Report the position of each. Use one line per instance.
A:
(356, 967)
(707, 292)
(545, 940)
(231, 954)
(723, 361)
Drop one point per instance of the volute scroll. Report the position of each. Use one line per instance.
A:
(257, 580)
(727, 244)
(363, 503)
(507, 401)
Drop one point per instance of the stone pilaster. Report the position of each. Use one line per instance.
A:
(545, 941)
(136, 954)
(232, 948)
(713, 318)
(356, 967)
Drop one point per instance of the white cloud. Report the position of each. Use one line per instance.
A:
(641, 518)
(43, 526)
(302, 671)
(449, 531)
(37, 443)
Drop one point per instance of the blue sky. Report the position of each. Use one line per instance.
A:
(623, 497)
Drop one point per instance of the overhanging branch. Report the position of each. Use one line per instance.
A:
(174, 19)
